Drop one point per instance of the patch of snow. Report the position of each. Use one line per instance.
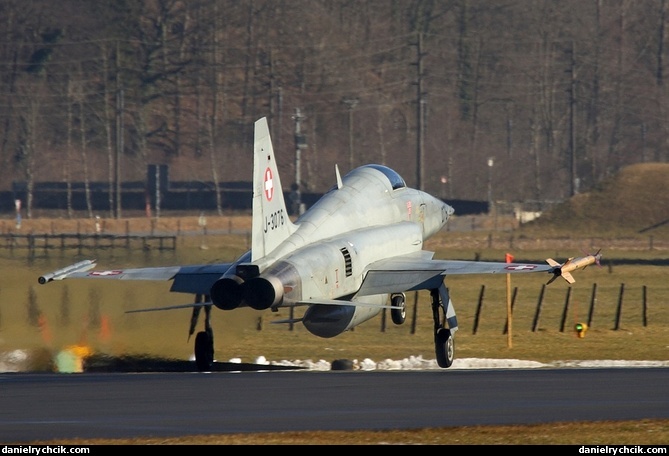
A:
(13, 361)
(419, 363)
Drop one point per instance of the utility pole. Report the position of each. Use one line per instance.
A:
(270, 101)
(350, 103)
(572, 127)
(300, 143)
(491, 163)
(157, 191)
(421, 102)
(119, 131)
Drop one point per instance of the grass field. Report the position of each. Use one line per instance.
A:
(629, 320)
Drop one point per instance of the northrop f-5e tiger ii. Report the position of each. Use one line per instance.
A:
(353, 253)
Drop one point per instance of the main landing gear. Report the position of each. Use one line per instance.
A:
(204, 340)
(445, 324)
(399, 312)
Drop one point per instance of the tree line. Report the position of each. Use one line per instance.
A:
(530, 101)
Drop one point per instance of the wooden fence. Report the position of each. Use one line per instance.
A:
(34, 243)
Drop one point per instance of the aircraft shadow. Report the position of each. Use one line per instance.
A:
(140, 363)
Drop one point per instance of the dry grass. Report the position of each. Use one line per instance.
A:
(642, 432)
(74, 312)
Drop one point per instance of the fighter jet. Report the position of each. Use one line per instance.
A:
(353, 253)
(565, 269)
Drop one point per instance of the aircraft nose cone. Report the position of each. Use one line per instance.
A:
(446, 210)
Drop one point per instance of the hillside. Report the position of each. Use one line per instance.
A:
(634, 200)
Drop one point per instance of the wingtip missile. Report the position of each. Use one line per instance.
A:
(60, 274)
(565, 269)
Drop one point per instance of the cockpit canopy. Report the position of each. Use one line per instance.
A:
(395, 179)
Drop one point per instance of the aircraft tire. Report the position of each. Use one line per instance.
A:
(341, 365)
(398, 316)
(204, 351)
(444, 347)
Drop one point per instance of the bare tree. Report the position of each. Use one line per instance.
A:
(67, 174)
(196, 74)
(78, 96)
(107, 119)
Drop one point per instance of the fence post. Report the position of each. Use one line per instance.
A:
(513, 302)
(478, 310)
(593, 300)
(291, 325)
(620, 306)
(383, 320)
(535, 323)
(644, 316)
(415, 313)
(127, 234)
(31, 245)
(566, 308)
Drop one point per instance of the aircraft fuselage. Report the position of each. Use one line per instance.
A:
(326, 258)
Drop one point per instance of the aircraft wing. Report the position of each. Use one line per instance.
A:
(195, 279)
(421, 272)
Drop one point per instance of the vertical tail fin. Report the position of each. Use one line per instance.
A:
(271, 224)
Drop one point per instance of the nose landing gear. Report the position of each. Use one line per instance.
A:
(445, 324)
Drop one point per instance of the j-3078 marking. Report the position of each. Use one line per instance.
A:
(274, 220)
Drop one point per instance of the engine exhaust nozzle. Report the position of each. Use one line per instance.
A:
(261, 293)
(226, 293)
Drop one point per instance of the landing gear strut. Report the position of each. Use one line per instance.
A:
(204, 340)
(445, 324)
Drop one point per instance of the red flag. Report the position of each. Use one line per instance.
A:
(509, 258)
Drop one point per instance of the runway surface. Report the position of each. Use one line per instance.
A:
(46, 406)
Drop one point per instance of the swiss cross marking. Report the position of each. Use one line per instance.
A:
(105, 273)
(520, 267)
(269, 185)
